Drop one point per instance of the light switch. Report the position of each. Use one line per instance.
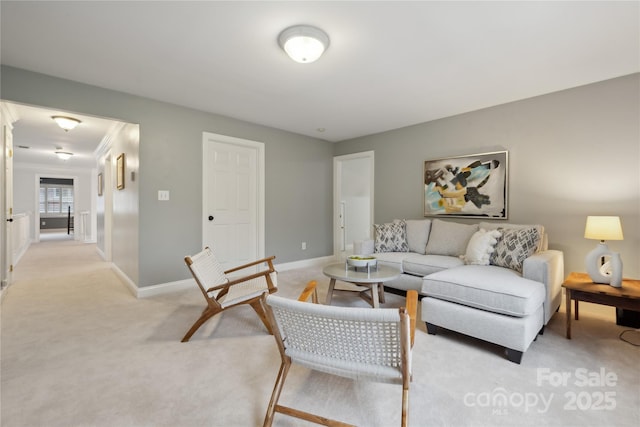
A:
(163, 194)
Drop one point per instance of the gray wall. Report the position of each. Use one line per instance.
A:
(298, 174)
(571, 154)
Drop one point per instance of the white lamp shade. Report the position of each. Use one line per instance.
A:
(303, 43)
(603, 228)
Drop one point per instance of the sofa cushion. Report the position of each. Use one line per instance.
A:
(422, 265)
(417, 234)
(486, 287)
(481, 246)
(391, 237)
(514, 247)
(393, 259)
(449, 238)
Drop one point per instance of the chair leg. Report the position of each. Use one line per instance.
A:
(405, 407)
(257, 306)
(275, 396)
(206, 315)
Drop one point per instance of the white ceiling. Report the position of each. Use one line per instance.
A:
(389, 64)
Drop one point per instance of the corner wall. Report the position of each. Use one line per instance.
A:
(571, 154)
(298, 174)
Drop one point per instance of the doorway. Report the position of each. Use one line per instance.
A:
(55, 213)
(353, 218)
(233, 198)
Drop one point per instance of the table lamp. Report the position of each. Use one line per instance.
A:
(604, 228)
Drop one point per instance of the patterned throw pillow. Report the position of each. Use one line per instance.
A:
(514, 247)
(391, 237)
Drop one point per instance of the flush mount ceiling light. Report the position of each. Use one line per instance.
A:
(66, 123)
(63, 155)
(303, 43)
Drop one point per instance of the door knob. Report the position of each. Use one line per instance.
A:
(10, 219)
(210, 217)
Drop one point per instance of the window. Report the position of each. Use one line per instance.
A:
(55, 199)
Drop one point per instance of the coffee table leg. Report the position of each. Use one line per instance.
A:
(381, 291)
(375, 295)
(568, 306)
(332, 284)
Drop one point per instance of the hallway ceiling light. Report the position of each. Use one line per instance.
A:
(63, 155)
(303, 43)
(65, 122)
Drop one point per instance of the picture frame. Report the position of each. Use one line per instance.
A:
(100, 184)
(470, 186)
(120, 172)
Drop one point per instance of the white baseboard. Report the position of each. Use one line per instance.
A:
(181, 285)
(313, 262)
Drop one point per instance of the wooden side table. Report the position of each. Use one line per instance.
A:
(579, 287)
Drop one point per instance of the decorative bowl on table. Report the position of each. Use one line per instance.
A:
(361, 261)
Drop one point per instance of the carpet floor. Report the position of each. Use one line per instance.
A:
(77, 349)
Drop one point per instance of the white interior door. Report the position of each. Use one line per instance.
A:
(6, 234)
(353, 178)
(233, 199)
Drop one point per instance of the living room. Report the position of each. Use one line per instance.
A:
(573, 152)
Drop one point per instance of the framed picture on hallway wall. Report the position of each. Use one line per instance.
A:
(100, 184)
(473, 186)
(120, 172)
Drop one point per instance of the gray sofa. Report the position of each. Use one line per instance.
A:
(498, 282)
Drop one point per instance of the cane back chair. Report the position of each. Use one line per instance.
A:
(357, 343)
(222, 292)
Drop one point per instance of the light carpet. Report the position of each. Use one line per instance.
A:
(79, 350)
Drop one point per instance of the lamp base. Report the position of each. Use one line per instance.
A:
(611, 272)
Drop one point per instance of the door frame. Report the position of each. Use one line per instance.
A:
(208, 138)
(338, 162)
(36, 209)
(9, 117)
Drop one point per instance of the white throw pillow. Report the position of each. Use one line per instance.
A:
(481, 246)
(449, 238)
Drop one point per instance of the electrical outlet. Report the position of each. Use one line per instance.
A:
(163, 194)
(304, 246)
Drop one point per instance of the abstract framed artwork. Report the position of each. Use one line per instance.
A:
(120, 172)
(467, 186)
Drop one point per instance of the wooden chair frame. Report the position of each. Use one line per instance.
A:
(407, 330)
(213, 304)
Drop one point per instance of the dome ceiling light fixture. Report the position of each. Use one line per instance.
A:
(65, 122)
(63, 155)
(303, 43)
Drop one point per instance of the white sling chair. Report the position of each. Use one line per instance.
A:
(222, 292)
(357, 343)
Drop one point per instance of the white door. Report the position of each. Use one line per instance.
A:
(353, 178)
(6, 234)
(233, 199)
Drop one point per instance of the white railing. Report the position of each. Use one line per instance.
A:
(85, 226)
(21, 236)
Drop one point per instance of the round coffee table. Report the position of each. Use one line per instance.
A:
(373, 280)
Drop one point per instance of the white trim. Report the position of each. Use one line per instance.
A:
(186, 284)
(305, 263)
(128, 282)
(337, 196)
(165, 288)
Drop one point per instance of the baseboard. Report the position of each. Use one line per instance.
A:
(127, 281)
(305, 263)
(181, 285)
(166, 288)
